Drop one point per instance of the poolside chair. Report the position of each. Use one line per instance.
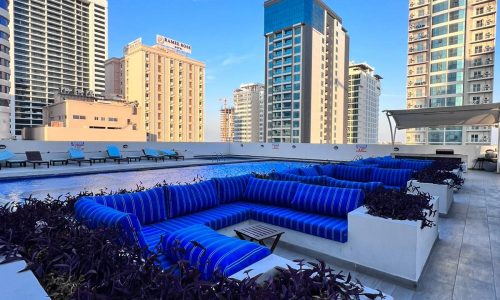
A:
(5, 155)
(78, 156)
(115, 154)
(171, 154)
(152, 154)
(35, 158)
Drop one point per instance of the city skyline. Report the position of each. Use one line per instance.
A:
(232, 62)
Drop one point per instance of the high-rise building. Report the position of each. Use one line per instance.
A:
(58, 45)
(169, 87)
(363, 108)
(227, 125)
(114, 76)
(249, 113)
(451, 49)
(307, 57)
(5, 97)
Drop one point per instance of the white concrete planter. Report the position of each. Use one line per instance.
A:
(397, 247)
(442, 191)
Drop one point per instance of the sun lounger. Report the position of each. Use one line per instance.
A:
(153, 154)
(35, 158)
(171, 154)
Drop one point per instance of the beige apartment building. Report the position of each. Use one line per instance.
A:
(114, 76)
(307, 60)
(451, 48)
(169, 87)
(227, 125)
(249, 113)
(86, 118)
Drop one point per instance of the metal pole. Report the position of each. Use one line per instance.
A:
(393, 136)
(498, 150)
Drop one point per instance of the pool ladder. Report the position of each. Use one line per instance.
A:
(218, 157)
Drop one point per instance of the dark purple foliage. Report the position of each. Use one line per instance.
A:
(72, 261)
(438, 176)
(400, 205)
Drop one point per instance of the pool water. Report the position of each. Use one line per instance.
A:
(55, 186)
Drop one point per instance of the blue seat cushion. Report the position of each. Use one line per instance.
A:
(271, 192)
(352, 173)
(331, 201)
(216, 218)
(326, 170)
(311, 171)
(148, 206)
(389, 163)
(392, 177)
(231, 189)
(190, 198)
(218, 253)
(295, 171)
(327, 227)
(366, 186)
(318, 180)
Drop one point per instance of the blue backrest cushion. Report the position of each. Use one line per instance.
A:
(113, 151)
(148, 206)
(337, 202)
(76, 153)
(392, 177)
(151, 152)
(352, 173)
(326, 170)
(319, 180)
(415, 164)
(365, 186)
(187, 199)
(310, 171)
(389, 163)
(294, 171)
(271, 192)
(231, 189)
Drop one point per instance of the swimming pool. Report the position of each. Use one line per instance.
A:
(55, 186)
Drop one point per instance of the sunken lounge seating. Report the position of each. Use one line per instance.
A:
(166, 213)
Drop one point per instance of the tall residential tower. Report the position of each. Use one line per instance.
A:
(363, 110)
(249, 113)
(58, 44)
(227, 125)
(169, 87)
(451, 49)
(306, 71)
(5, 97)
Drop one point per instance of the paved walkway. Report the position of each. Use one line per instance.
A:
(465, 263)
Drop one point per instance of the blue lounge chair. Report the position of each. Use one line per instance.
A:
(171, 154)
(153, 154)
(78, 156)
(115, 154)
(6, 156)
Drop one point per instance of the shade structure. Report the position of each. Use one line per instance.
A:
(469, 115)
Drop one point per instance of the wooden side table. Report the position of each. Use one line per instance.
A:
(259, 233)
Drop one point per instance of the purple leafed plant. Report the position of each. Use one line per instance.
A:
(438, 176)
(399, 205)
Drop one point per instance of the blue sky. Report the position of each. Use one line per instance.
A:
(227, 35)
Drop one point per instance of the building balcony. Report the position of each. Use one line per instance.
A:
(487, 49)
(481, 90)
(489, 23)
(481, 77)
(418, 38)
(491, 9)
(488, 62)
(416, 50)
(488, 37)
(414, 16)
(477, 2)
(417, 4)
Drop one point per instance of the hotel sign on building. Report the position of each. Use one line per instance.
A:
(171, 43)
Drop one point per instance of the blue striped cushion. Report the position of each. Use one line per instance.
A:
(337, 202)
(220, 253)
(95, 215)
(294, 171)
(187, 199)
(148, 205)
(366, 186)
(216, 218)
(415, 164)
(311, 171)
(319, 180)
(270, 191)
(231, 189)
(389, 163)
(319, 225)
(352, 173)
(392, 177)
(326, 170)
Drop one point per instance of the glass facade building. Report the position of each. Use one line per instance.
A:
(450, 63)
(5, 97)
(306, 73)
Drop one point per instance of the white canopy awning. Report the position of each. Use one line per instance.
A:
(481, 114)
(471, 115)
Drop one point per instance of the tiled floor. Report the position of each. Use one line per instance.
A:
(465, 263)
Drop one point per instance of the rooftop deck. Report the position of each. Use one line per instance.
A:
(465, 261)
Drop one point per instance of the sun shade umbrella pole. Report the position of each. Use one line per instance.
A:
(498, 149)
(393, 135)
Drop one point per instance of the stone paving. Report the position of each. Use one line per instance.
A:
(465, 262)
